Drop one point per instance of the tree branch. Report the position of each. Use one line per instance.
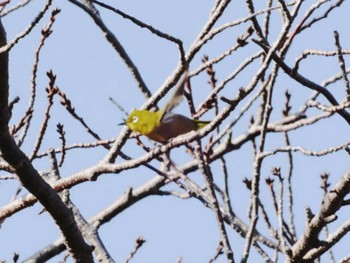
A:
(29, 177)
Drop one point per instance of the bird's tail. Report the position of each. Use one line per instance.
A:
(201, 124)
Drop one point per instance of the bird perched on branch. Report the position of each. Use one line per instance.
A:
(163, 124)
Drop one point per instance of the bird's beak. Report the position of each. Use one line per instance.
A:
(122, 123)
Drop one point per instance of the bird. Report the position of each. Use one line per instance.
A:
(163, 125)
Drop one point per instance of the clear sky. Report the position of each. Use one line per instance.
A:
(89, 71)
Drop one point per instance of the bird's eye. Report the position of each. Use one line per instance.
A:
(134, 119)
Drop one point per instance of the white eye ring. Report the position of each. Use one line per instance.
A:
(134, 119)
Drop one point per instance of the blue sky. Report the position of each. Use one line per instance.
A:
(89, 71)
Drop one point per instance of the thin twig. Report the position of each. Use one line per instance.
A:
(9, 46)
(342, 65)
(26, 119)
(112, 39)
(51, 92)
(141, 24)
(205, 169)
(217, 253)
(321, 17)
(306, 82)
(15, 7)
(138, 244)
(62, 134)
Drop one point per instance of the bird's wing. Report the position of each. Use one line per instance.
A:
(177, 96)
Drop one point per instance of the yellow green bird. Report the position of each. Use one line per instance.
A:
(163, 125)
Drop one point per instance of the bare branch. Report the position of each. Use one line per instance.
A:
(203, 166)
(308, 83)
(141, 24)
(26, 119)
(15, 7)
(331, 204)
(112, 39)
(7, 47)
(138, 244)
(342, 65)
(29, 176)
